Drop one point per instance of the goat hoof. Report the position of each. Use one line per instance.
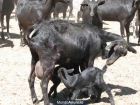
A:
(35, 101)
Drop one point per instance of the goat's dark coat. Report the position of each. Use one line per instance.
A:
(90, 13)
(113, 10)
(54, 78)
(30, 12)
(6, 8)
(62, 8)
(58, 41)
(87, 79)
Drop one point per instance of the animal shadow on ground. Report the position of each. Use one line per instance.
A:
(123, 91)
(63, 94)
(15, 36)
(6, 43)
(12, 35)
(133, 44)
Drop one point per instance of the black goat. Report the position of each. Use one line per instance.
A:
(86, 10)
(58, 41)
(87, 79)
(62, 8)
(90, 13)
(30, 12)
(54, 78)
(122, 11)
(6, 8)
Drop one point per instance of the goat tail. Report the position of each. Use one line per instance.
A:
(28, 34)
(104, 69)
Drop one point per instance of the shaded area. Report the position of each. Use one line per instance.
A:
(63, 94)
(133, 44)
(13, 35)
(124, 90)
(6, 43)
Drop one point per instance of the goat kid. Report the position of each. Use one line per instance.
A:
(90, 78)
(55, 79)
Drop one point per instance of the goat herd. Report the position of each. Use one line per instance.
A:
(66, 51)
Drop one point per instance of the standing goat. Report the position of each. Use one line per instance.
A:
(122, 11)
(6, 8)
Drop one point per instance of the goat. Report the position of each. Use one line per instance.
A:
(122, 11)
(62, 8)
(54, 78)
(30, 12)
(6, 8)
(87, 79)
(59, 41)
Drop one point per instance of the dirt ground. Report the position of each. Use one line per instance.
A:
(123, 77)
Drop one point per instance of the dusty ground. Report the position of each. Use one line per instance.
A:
(123, 76)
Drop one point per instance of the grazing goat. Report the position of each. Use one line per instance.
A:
(87, 79)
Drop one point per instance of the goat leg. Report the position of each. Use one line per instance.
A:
(75, 94)
(108, 91)
(31, 85)
(99, 90)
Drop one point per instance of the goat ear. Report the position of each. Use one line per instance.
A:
(101, 2)
(135, 3)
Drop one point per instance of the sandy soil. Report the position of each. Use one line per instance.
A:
(123, 77)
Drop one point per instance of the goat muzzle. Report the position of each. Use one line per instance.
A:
(118, 52)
